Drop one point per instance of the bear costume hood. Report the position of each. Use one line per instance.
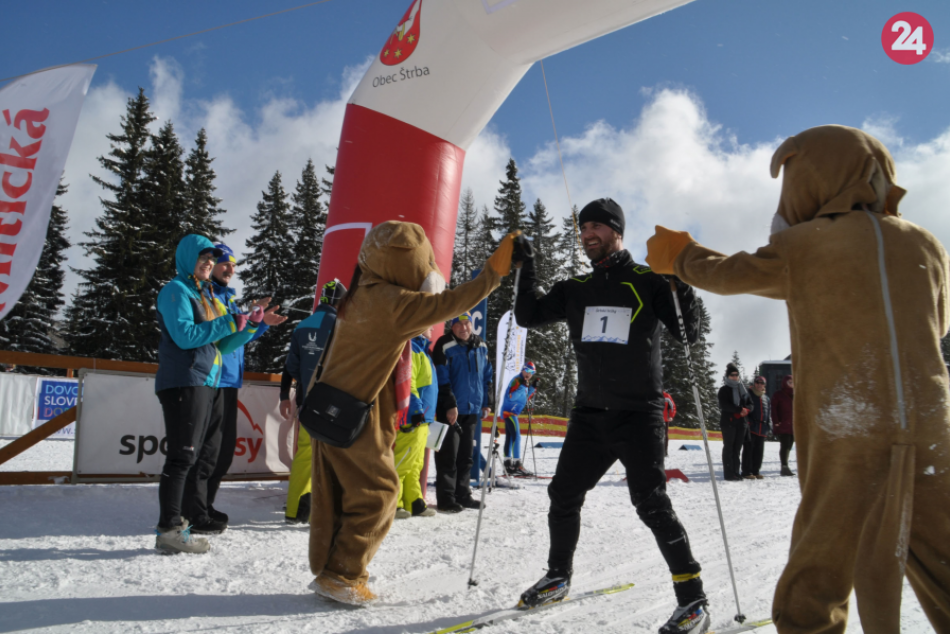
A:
(399, 253)
(833, 169)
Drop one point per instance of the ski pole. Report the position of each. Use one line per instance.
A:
(740, 617)
(494, 426)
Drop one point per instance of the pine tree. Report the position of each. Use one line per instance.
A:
(463, 260)
(163, 201)
(308, 223)
(736, 362)
(266, 272)
(509, 216)
(112, 304)
(572, 263)
(676, 380)
(202, 209)
(30, 325)
(546, 344)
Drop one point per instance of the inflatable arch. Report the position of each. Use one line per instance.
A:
(438, 79)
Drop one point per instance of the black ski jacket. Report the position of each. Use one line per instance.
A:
(611, 374)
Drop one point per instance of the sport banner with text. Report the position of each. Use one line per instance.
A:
(121, 430)
(39, 116)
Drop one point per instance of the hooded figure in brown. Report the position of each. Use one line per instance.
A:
(867, 297)
(397, 294)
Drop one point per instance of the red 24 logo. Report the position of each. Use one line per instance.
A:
(907, 38)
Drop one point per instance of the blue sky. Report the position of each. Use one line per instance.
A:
(675, 117)
(763, 67)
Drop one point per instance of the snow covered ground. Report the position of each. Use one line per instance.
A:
(80, 559)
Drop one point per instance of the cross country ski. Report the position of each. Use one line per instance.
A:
(508, 614)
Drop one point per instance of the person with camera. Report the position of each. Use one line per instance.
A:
(519, 392)
(614, 316)
(232, 378)
(194, 337)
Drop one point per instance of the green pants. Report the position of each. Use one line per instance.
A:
(410, 456)
(299, 472)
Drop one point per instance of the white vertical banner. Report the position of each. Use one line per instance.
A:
(38, 115)
(507, 368)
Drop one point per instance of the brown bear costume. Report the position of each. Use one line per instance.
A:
(868, 302)
(355, 489)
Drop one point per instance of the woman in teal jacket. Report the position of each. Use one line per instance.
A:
(193, 338)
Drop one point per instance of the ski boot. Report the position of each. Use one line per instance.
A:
(520, 471)
(692, 618)
(551, 588)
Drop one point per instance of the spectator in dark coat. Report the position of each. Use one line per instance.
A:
(759, 426)
(782, 417)
(734, 405)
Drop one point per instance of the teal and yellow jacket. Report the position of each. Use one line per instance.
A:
(191, 345)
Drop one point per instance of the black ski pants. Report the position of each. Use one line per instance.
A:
(753, 450)
(187, 411)
(785, 447)
(453, 463)
(229, 412)
(733, 436)
(595, 440)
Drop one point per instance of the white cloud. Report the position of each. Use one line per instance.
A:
(941, 57)
(884, 128)
(248, 147)
(671, 165)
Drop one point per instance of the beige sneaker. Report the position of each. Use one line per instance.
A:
(402, 514)
(178, 539)
(332, 588)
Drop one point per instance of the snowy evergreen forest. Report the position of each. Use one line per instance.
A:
(155, 192)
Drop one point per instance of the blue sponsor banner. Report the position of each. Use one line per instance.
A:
(479, 313)
(53, 397)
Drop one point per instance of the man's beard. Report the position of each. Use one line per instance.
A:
(597, 252)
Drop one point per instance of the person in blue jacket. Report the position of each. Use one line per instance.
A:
(232, 374)
(193, 338)
(519, 392)
(465, 398)
(307, 343)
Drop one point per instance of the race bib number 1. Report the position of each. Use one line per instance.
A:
(607, 324)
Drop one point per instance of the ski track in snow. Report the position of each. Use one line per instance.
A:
(81, 558)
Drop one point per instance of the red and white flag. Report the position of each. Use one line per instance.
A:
(39, 115)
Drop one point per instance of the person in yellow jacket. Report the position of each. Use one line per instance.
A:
(410, 450)
(397, 292)
(868, 302)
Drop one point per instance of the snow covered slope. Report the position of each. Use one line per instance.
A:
(80, 559)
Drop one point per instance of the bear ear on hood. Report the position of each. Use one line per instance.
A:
(787, 150)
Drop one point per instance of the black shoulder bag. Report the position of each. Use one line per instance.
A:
(331, 415)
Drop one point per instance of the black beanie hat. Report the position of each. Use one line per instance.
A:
(604, 211)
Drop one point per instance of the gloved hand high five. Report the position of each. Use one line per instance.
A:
(664, 247)
(523, 250)
(500, 260)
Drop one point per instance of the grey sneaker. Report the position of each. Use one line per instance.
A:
(402, 514)
(178, 539)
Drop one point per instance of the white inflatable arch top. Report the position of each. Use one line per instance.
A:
(439, 77)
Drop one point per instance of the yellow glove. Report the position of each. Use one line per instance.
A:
(500, 260)
(664, 247)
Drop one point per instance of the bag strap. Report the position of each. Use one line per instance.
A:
(316, 370)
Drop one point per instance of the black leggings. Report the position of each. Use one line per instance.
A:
(188, 412)
(229, 413)
(595, 440)
(786, 441)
